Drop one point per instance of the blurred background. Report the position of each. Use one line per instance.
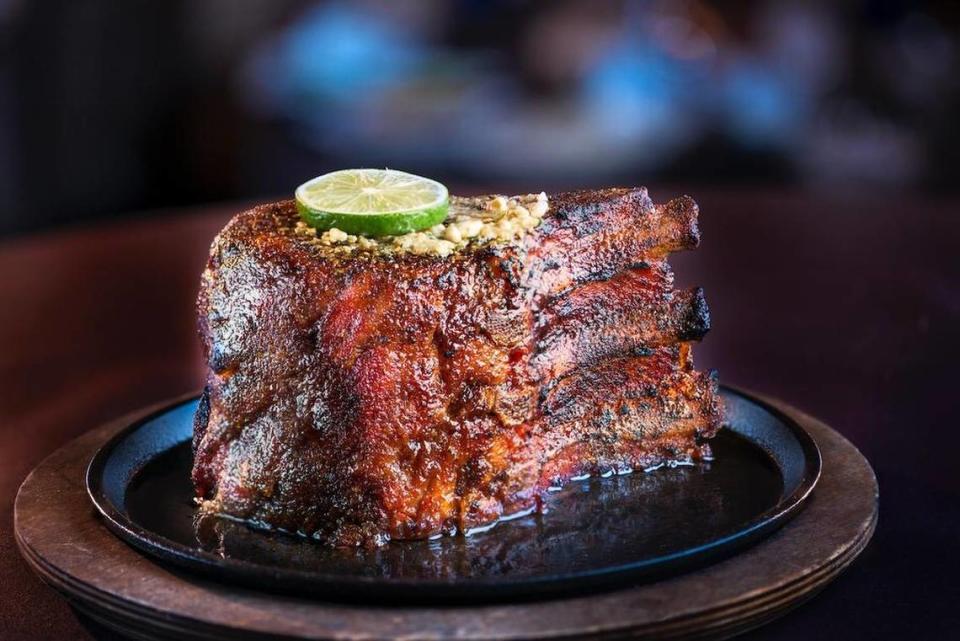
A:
(112, 107)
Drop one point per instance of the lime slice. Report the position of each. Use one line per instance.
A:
(372, 202)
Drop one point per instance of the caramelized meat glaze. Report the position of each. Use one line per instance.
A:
(358, 397)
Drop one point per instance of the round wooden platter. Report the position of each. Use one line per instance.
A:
(63, 540)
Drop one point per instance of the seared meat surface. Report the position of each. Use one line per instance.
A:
(361, 397)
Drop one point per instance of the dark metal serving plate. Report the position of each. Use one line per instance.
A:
(597, 533)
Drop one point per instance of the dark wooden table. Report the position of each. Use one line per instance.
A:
(846, 307)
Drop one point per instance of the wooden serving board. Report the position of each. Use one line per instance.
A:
(63, 540)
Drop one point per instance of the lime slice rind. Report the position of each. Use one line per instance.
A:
(389, 224)
(372, 201)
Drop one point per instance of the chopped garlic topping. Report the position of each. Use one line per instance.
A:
(498, 204)
(334, 235)
(469, 221)
(453, 234)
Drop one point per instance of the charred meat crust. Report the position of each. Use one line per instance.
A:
(363, 397)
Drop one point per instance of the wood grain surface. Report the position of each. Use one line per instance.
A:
(847, 307)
